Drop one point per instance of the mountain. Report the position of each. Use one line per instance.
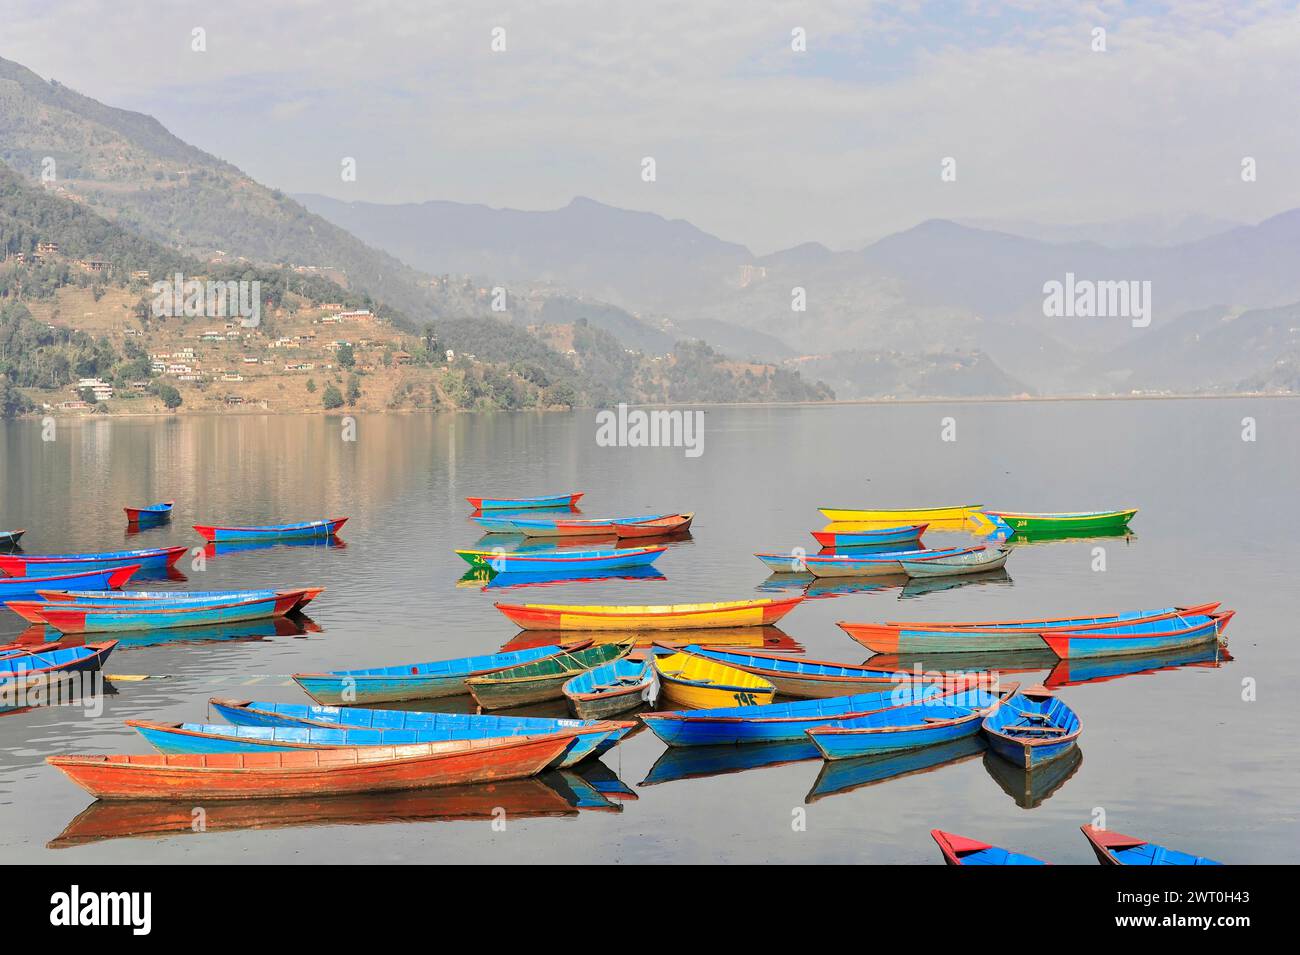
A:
(607, 253)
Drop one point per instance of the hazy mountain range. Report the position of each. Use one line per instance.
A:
(944, 308)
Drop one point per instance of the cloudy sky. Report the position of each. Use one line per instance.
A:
(752, 140)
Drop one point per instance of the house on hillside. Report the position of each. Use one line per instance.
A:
(101, 389)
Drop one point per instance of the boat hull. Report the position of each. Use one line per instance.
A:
(907, 727)
(959, 850)
(524, 503)
(107, 578)
(577, 562)
(1114, 848)
(156, 559)
(311, 772)
(744, 613)
(153, 514)
(272, 532)
(815, 679)
(1076, 645)
(677, 524)
(915, 515)
(886, 535)
(611, 688)
(71, 618)
(977, 562)
(1080, 523)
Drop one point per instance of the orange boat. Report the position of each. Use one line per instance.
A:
(733, 613)
(320, 772)
(673, 524)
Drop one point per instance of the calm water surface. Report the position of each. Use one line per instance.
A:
(1174, 755)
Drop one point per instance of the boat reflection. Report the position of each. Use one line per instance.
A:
(1022, 538)
(522, 544)
(535, 797)
(1100, 669)
(698, 762)
(845, 775)
(759, 638)
(292, 625)
(54, 689)
(921, 586)
(1031, 788)
(829, 586)
(225, 548)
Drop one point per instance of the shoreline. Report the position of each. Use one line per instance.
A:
(848, 402)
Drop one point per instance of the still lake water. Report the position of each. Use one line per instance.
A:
(1176, 755)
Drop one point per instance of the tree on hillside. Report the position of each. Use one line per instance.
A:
(347, 357)
(354, 390)
(331, 398)
(171, 398)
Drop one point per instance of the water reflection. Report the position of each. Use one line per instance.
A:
(845, 775)
(1030, 788)
(698, 762)
(1101, 669)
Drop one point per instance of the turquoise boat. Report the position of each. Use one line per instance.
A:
(614, 687)
(206, 738)
(413, 681)
(324, 528)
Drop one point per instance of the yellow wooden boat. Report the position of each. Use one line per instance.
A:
(731, 613)
(698, 683)
(955, 513)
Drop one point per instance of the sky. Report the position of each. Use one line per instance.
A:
(752, 140)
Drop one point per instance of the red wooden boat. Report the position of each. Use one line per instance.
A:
(318, 772)
(672, 524)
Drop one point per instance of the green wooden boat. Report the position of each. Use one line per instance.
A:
(1065, 523)
(542, 679)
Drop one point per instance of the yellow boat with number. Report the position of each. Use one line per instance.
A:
(698, 683)
(952, 514)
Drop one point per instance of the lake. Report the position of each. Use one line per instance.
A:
(1201, 757)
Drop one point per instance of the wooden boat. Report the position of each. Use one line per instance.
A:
(614, 687)
(411, 681)
(1005, 635)
(673, 524)
(959, 850)
(886, 535)
(55, 565)
(317, 772)
(253, 713)
(1114, 848)
(975, 561)
(206, 738)
(562, 562)
(179, 597)
(755, 638)
(1137, 638)
(559, 527)
(815, 679)
(1080, 523)
(150, 514)
(542, 679)
(776, 722)
(882, 564)
(157, 614)
(909, 727)
(22, 664)
(699, 683)
(733, 613)
(524, 503)
(11, 538)
(1032, 728)
(271, 532)
(112, 577)
(904, 515)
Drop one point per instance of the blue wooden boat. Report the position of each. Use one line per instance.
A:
(1114, 848)
(271, 532)
(24, 664)
(882, 564)
(898, 728)
(13, 588)
(151, 514)
(1137, 638)
(259, 713)
(414, 681)
(55, 565)
(525, 503)
(71, 617)
(846, 775)
(192, 598)
(775, 721)
(904, 534)
(1032, 728)
(614, 687)
(206, 738)
(959, 850)
(487, 580)
(562, 562)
